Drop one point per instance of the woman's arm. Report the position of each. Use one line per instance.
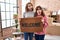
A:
(45, 22)
(23, 15)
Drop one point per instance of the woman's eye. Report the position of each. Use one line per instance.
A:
(29, 6)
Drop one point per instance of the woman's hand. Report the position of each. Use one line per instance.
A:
(43, 21)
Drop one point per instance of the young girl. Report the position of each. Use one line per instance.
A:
(27, 14)
(39, 13)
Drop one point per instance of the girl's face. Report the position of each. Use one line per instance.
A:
(39, 11)
(30, 7)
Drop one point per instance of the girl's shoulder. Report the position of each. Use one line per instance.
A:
(45, 17)
(24, 13)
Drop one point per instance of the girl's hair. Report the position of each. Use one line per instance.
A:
(26, 8)
(37, 8)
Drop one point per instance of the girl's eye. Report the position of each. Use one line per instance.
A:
(29, 6)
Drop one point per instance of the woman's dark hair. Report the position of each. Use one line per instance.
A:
(37, 8)
(26, 8)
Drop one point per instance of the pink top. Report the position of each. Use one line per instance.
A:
(45, 25)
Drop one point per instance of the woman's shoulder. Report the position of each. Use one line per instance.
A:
(45, 17)
(24, 13)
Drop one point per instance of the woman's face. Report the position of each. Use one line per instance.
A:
(39, 11)
(30, 7)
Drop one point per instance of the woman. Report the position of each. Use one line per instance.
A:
(39, 13)
(28, 14)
